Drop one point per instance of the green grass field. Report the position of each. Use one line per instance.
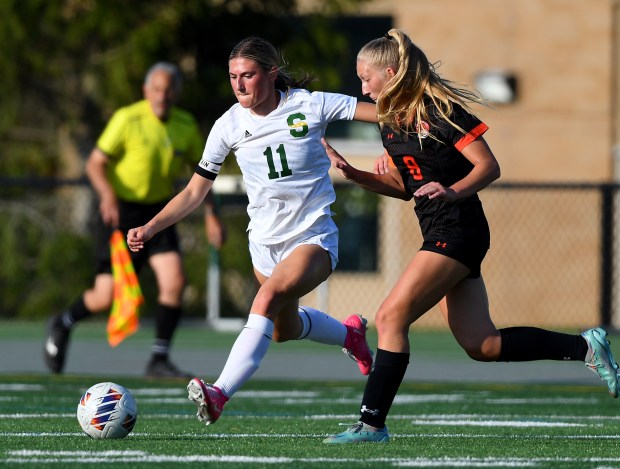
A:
(280, 423)
(276, 424)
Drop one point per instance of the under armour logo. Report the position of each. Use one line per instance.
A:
(247, 134)
(366, 410)
(390, 135)
(439, 244)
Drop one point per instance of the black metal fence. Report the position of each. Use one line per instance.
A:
(552, 260)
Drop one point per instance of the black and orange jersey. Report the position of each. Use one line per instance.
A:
(434, 155)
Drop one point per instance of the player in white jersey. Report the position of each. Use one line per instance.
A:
(275, 133)
(281, 159)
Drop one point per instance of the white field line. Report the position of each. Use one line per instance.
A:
(245, 394)
(169, 396)
(171, 399)
(82, 457)
(313, 397)
(497, 423)
(232, 436)
(474, 417)
(19, 387)
(421, 419)
(302, 395)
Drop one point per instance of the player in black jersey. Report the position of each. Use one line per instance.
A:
(437, 155)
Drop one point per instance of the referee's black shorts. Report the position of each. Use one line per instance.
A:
(133, 215)
(460, 232)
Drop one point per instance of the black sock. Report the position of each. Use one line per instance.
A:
(166, 324)
(382, 386)
(521, 344)
(76, 312)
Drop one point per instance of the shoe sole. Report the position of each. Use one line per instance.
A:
(196, 394)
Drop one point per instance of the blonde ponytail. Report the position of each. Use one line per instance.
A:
(401, 104)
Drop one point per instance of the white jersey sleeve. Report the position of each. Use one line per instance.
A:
(283, 163)
(215, 152)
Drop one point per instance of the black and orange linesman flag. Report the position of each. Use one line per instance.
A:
(124, 316)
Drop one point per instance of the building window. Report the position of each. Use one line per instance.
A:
(356, 214)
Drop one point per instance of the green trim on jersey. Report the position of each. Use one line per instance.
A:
(148, 155)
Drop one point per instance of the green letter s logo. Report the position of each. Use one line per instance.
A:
(299, 127)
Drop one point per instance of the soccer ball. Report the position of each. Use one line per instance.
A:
(107, 410)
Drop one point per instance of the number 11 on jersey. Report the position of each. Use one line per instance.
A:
(273, 174)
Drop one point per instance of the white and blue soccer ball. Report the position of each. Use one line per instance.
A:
(107, 410)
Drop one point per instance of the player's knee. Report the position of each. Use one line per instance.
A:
(478, 355)
(282, 336)
(267, 299)
(388, 321)
(486, 350)
(287, 325)
(172, 290)
(100, 296)
(97, 301)
(177, 285)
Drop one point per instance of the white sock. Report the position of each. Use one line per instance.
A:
(246, 354)
(320, 327)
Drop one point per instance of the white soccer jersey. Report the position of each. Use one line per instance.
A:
(284, 165)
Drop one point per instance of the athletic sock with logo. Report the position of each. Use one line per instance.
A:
(520, 344)
(382, 386)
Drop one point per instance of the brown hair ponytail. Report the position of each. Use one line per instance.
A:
(266, 55)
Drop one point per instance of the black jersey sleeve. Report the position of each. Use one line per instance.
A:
(469, 123)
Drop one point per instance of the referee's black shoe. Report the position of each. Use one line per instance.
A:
(161, 367)
(56, 341)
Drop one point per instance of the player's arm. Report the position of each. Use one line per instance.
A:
(485, 171)
(390, 184)
(184, 203)
(486, 168)
(366, 112)
(96, 172)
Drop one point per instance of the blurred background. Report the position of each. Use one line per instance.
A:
(549, 69)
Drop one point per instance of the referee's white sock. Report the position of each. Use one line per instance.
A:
(246, 354)
(320, 327)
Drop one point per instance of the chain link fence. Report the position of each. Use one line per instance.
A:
(551, 263)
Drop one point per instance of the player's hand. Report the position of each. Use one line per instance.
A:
(382, 164)
(434, 190)
(338, 162)
(136, 237)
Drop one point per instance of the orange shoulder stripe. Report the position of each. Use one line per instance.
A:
(471, 136)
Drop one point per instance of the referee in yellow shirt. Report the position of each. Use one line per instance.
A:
(142, 151)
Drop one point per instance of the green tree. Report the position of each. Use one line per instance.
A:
(68, 64)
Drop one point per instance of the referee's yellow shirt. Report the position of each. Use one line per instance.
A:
(146, 154)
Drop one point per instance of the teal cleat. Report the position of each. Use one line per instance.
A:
(359, 433)
(600, 360)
